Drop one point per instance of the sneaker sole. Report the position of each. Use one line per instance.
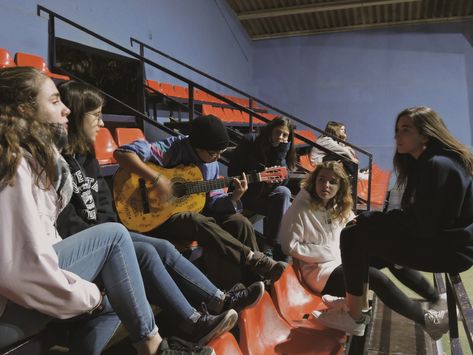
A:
(227, 323)
(336, 326)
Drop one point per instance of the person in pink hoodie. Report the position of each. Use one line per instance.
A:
(88, 276)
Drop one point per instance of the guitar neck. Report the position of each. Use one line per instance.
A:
(195, 187)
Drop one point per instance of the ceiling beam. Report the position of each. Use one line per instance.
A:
(319, 7)
(362, 27)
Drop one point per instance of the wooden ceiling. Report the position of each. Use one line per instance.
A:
(265, 19)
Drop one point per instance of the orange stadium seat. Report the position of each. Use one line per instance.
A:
(263, 331)
(31, 60)
(153, 84)
(306, 134)
(225, 344)
(294, 301)
(128, 135)
(379, 187)
(6, 60)
(104, 147)
(181, 92)
(304, 161)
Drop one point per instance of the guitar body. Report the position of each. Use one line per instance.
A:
(137, 203)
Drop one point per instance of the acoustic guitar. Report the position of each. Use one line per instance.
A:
(138, 205)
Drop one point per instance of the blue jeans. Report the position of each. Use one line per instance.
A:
(171, 281)
(103, 252)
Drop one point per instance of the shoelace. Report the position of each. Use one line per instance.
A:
(433, 318)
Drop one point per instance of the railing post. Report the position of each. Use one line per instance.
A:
(190, 90)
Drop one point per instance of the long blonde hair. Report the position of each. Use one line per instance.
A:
(342, 203)
(20, 128)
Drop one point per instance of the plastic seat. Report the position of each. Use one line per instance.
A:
(154, 85)
(104, 147)
(379, 187)
(294, 301)
(6, 60)
(167, 89)
(304, 161)
(306, 134)
(31, 60)
(181, 92)
(225, 344)
(263, 331)
(128, 135)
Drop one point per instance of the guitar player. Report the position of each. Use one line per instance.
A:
(221, 229)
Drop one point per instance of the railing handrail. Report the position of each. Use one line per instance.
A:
(192, 84)
(249, 96)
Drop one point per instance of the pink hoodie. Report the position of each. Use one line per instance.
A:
(29, 272)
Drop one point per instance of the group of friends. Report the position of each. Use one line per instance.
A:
(63, 256)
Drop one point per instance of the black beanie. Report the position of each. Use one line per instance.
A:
(209, 133)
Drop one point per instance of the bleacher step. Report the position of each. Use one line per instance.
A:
(391, 333)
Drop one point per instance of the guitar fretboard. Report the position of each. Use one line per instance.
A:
(195, 187)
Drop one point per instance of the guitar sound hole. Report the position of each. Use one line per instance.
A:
(178, 189)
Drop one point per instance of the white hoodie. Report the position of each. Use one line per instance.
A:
(312, 238)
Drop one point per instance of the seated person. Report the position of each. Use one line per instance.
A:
(86, 277)
(310, 233)
(273, 146)
(171, 281)
(221, 229)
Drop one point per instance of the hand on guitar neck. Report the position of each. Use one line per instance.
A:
(240, 187)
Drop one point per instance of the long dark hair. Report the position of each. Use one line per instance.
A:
(264, 140)
(430, 125)
(20, 127)
(80, 98)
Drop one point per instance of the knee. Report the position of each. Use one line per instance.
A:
(348, 239)
(145, 252)
(377, 278)
(240, 222)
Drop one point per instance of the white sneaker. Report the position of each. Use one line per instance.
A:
(338, 318)
(333, 301)
(436, 323)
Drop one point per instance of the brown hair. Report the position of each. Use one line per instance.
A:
(21, 129)
(80, 98)
(342, 203)
(264, 140)
(430, 125)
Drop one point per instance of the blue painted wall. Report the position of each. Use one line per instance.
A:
(203, 33)
(362, 78)
(365, 78)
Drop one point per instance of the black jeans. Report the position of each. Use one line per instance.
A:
(227, 240)
(380, 237)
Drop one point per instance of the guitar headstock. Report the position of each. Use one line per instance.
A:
(274, 174)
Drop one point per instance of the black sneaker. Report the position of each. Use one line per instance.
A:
(208, 326)
(247, 297)
(176, 346)
(267, 267)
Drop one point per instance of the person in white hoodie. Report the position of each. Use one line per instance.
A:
(43, 277)
(310, 233)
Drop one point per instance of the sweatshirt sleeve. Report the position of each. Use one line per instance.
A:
(29, 271)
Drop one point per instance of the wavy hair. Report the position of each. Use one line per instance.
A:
(264, 140)
(341, 204)
(80, 98)
(20, 128)
(430, 125)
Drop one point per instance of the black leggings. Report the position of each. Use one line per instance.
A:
(410, 278)
(384, 288)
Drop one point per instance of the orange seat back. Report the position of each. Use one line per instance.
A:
(261, 328)
(294, 301)
(104, 147)
(225, 344)
(304, 161)
(128, 135)
(6, 60)
(31, 60)
(306, 134)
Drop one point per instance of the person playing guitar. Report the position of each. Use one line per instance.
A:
(221, 228)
